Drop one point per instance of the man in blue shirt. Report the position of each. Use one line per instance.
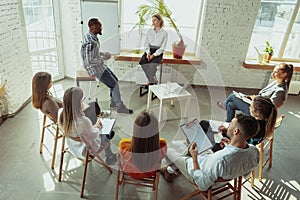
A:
(93, 62)
(235, 159)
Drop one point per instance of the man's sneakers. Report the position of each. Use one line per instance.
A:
(125, 110)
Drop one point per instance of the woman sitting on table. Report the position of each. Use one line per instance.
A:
(277, 91)
(142, 154)
(42, 98)
(76, 126)
(155, 44)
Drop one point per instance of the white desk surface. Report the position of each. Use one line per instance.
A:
(168, 91)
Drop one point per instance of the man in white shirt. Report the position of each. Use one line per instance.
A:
(235, 159)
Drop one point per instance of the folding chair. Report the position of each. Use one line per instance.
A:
(262, 152)
(53, 128)
(124, 178)
(94, 155)
(234, 190)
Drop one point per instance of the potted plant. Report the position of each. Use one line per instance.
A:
(269, 50)
(146, 11)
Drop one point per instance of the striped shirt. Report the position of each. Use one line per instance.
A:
(90, 53)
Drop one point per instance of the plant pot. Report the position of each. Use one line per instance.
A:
(178, 51)
(269, 56)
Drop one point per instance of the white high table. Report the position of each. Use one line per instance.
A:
(168, 91)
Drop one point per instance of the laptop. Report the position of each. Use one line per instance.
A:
(194, 133)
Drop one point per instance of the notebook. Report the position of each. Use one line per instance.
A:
(107, 125)
(194, 133)
(242, 97)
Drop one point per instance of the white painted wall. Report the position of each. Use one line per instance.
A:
(15, 66)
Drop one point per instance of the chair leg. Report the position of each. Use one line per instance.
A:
(117, 185)
(188, 196)
(61, 159)
(84, 173)
(261, 160)
(43, 134)
(155, 185)
(271, 153)
(239, 188)
(54, 147)
(252, 177)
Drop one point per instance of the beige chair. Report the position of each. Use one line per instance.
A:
(265, 156)
(224, 191)
(123, 178)
(53, 129)
(94, 155)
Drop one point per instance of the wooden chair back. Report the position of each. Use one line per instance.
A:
(123, 178)
(90, 154)
(224, 191)
(265, 156)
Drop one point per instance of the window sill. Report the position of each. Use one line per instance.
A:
(167, 58)
(253, 64)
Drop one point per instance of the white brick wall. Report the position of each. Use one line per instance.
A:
(227, 31)
(15, 64)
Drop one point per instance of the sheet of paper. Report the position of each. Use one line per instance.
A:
(194, 133)
(214, 124)
(107, 125)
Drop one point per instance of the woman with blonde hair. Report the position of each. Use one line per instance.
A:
(155, 44)
(142, 154)
(76, 126)
(276, 91)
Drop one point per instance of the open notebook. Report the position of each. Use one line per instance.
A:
(107, 125)
(194, 133)
(242, 97)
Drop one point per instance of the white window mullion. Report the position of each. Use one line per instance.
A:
(289, 30)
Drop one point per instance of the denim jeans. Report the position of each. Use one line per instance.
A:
(110, 80)
(232, 103)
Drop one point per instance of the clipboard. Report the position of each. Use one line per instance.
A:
(194, 133)
(107, 126)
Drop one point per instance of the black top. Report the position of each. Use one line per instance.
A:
(260, 135)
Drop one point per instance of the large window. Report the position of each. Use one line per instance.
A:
(278, 21)
(186, 19)
(41, 34)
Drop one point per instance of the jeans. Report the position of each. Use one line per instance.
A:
(232, 103)
(110, 80)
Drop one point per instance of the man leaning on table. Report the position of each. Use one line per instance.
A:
(235, 159)
(94, 65)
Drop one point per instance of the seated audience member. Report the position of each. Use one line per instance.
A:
(75, 124)
(142, 154)
(264, 111)
(43, 100)
(155, 44)
(236, 159)
(277, 91)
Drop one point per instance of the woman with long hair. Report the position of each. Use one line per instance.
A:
(155, 44)
(142, 154)
(265, 112)
(42, 98)
(277, 92)
(75, 124)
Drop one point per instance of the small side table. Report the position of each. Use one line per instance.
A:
(168, 91)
